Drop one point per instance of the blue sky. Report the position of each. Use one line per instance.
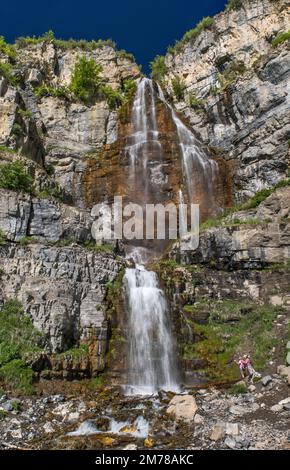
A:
(144, 28)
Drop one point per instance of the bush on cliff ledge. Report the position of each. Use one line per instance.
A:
(14, 176)
(18, 337)
(158, 68)
(282, 37)
(234, 4)
(86, 80)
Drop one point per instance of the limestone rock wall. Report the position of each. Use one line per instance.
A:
(62, 289)
(52, 130)
(244, 117)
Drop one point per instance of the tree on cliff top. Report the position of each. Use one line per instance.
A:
(86, 80)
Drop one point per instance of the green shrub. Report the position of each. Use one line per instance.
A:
(195, 102)
(178, 87)
(61, 92)
(2, 238)
(27, 40)
(6, 71)
(4, 149)
(24, 241)
(238, 389)
(282, 37)
(86, 81)
(16, 406)
(122, 54)
(97, 383)
(7, 49)
(104, 248)
(3, 414)
(25, 113)
(230, 75)
(129, 88)
(234, 4)
(17, 130)
(48, 193)
(14, 176)
(260, 196)
(158, 68)
(75, 352)
(18, 376)
(18, 337)
(84, 44)
(113, 97)
(64, 44)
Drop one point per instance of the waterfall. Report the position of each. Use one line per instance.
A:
(151, 351)
(151, 355)
(197, 166)
(144, 134)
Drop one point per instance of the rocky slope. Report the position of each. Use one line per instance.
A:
(204, 419)
(234, 91)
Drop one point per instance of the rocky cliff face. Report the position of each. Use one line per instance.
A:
(235, 91)
(54, 131)
(235, 97)
(44, 263)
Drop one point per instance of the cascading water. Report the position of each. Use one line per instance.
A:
(151, 358)
(198, 168)
(151, 351)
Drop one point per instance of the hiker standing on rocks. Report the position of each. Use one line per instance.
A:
(243, 365)
(250, 369)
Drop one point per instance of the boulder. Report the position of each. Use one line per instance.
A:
(230, 443)
(218, 433)
(286, 401)
(182, 407)
(232, 429)
(238, 410)
(266, 380)
(276, 408)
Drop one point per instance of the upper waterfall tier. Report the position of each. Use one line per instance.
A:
(156, 158)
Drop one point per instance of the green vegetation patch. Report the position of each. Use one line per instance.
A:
(76, 352)
(234, 328)
(18, 337)
(86, 80)
(234, 5)
(7, 71)
(224, 220)
(7, 49)
(280, 38)
(14, 176)
(61, 92)
(49, 36)
(104, 248)
(238, 389)
(191, 35)
(158, 68)
(178, 86)
(2, 238)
